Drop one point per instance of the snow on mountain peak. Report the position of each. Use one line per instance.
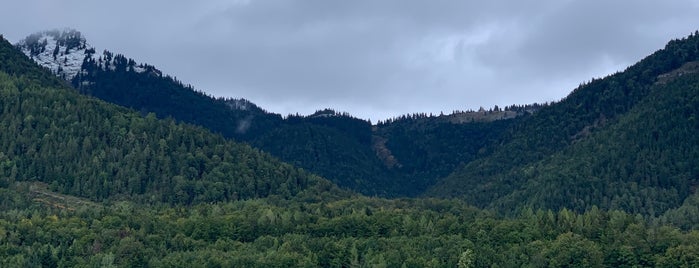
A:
(66, 51)
(62, 51)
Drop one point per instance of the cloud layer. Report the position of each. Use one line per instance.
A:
(374, 59)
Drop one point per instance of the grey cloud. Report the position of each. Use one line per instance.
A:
(374, 59)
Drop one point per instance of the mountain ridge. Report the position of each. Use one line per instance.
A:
(592, 107)
(351, 162)
(86, 147)
(484, 156)
(248, 209)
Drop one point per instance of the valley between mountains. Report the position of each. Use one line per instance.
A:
(109, 162)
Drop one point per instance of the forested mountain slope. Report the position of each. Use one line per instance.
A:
(334, 145)
(425, 149)
(14, 63)
(628, 141)
(86, 147)
(163, 194)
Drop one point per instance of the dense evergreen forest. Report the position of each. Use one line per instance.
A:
(485, 157)
(358, 232)
(627, 141)
(346, 150)
(604, 178)
(89, 148)
(332, 144)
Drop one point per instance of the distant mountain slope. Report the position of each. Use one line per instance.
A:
(645, 162)
(334, 145)
(425, 149)
(592, 148)
(62, 52)
(117, 79)
(82, 146)
(15, 63)
(168, 190)
(320, 145)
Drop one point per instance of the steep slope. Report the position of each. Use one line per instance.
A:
(424, 149)
(65, 137)
(116, 79)
(337, 146)
(82, 146)
(399, 157)
(62, 52)
(645, 162)
(15, 64)
(537, 151)
(334, 145)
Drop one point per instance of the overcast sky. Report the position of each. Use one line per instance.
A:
(374, 59)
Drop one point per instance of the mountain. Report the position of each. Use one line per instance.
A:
(505, 159)
(117, 79)
(85, 183)
(15, 64)
(348, 151)
(81, 146)
(627, 141)
(63, 52)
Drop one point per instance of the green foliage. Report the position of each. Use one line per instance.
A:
(643, 162)
(174, 195)
(551, 159)
(356, 232)
(426, 149)
(685, 216)
(114, 78)
(466, 259)
(15, 63)
(354, 155)
(327, 151)
(626, 142)
(571, 250)
(333, 145)
(85, 147)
